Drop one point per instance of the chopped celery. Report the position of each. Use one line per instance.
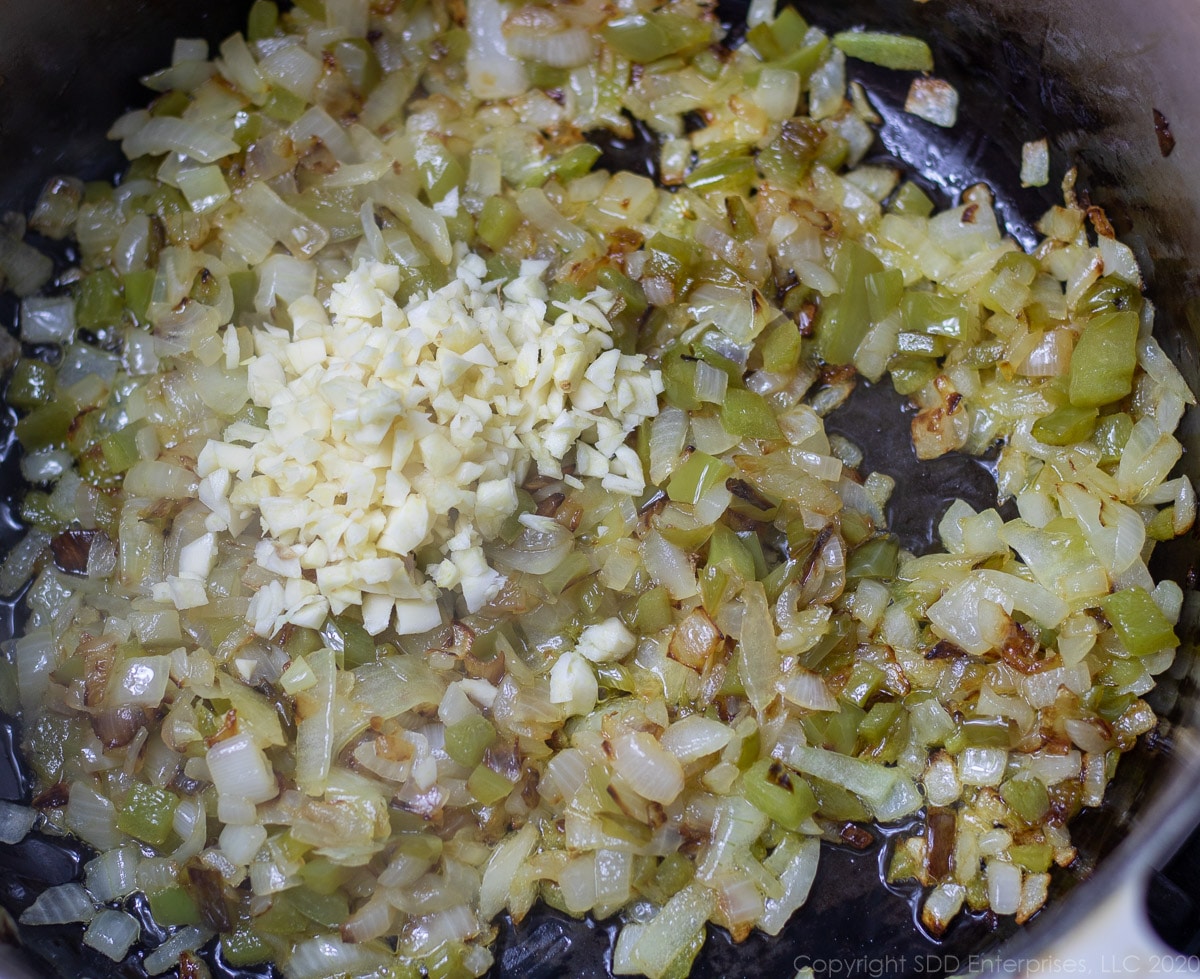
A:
(566, 292)
(1122, 672)
(146, 813)
(740, 219)
(31, 384)
(446, 962)
(243, 284)
(1138, 621)
(300, 642)
(780, 794)
(468, 739)
(1104, 359)
(546, 77)
(897, 51)
(749, 415)
(614, 677)
(698, 474)
(838, 732)
(1065, 426)
(780, 577)
(804, 59)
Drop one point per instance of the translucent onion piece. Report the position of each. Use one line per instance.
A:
(15, 822)
(112, 933)
(60, 905)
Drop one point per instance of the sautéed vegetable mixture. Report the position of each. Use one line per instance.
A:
(426, 521)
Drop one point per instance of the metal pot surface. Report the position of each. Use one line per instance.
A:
(1111, 83)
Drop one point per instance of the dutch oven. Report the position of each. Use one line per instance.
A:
(1112, 84)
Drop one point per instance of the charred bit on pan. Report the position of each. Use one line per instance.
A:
(1162, 129)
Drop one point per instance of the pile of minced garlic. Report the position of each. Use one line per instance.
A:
(390, 429)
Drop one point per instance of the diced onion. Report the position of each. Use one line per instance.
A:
(15, 822)
(112, 933)
(60, 905)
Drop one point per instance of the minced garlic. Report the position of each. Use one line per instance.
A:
(391, 429)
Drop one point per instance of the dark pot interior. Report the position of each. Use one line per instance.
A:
(1089, 79)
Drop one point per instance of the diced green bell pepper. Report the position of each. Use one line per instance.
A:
(487, 786)
(1138, 621)
(31, 384)
(1065, 425)
(146, 813)
(698, 474)
(897, 51)
(749, 415)
(780, 794)
(468, 739)
(1104, 359)
(846, 317)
